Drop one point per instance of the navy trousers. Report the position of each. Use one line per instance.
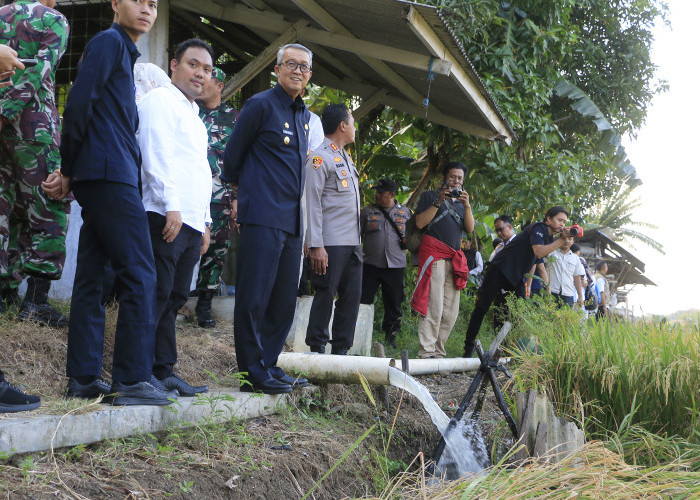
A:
(175, 262)
(267, 278)
(115, 230)
(344, 277)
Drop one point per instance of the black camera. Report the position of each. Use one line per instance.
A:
(574, 230)
(452, 193)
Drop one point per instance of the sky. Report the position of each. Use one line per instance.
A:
(666, 155)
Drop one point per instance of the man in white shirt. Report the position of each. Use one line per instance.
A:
(176, 193)
(565, 274)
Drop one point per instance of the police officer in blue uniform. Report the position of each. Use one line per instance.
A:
(264, 162)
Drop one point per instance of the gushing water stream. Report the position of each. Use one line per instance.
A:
(465, 450)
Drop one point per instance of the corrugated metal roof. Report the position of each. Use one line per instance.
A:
(621, 262)
(382, 22)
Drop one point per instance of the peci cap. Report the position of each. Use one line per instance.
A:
(385, 185)
(218, 73)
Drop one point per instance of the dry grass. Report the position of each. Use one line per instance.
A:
(35, 357)
(594, 472)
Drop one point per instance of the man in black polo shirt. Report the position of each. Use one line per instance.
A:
(510, 265)
(444, 214)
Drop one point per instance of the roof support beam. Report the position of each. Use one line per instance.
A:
(318, 14)
(261, 61)
(376, 96)
(214, 34)
(236, 13)
(436, 116)
(425, 33)
(375, 50)
(333, 61)
(369, 104)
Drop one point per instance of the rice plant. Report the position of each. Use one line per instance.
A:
(612, 376)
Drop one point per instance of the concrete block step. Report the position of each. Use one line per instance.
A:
(31, 432)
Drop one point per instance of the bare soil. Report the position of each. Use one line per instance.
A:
(281, 456)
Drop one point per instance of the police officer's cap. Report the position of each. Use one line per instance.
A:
(385, 185)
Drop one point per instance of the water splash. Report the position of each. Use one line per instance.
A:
(465, 451)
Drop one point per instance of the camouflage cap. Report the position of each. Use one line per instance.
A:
(218, 73)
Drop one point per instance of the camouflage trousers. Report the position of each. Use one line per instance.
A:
(32, 225)
(212, 262)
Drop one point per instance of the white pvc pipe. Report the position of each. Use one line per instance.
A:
(325, 368)
(442, 365)
(329, 368)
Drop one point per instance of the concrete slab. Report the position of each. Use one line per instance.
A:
(296, 340)
(24, 433)
(543, 432)
(222, 307)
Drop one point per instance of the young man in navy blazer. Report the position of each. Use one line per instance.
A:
(101, 163)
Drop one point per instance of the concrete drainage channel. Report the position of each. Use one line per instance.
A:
(26, 433)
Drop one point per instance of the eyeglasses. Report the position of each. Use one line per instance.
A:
(293, 65)
(500, 229)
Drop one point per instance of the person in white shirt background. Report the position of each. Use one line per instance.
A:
(177, 188)
(565, 274)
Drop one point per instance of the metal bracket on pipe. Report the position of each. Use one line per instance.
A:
(489, 363)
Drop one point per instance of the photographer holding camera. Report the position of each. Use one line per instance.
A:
(443, 215)
(509, 266)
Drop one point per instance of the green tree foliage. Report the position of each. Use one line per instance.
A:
(615, 212)
(521, 50)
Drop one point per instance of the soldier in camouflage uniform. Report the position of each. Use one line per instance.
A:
(32, 225)
(219, 118)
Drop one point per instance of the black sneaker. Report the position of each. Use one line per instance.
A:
(174, 382)
(42, 314)
(94, 389)
(390, 340)
(157, 384)
(140, 393)
(269, 386)
(13, 399)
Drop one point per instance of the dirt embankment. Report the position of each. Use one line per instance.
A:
(281, 456)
